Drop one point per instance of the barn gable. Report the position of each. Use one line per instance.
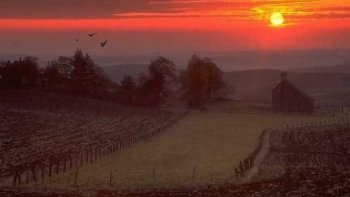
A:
(288, 98)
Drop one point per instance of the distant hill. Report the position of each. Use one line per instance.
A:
(256, 85)
(241, 60)
(117, 72)
(326, 69)
(228, 61)
(324, 84)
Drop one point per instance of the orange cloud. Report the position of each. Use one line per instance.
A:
(125, 24)
(255, 10)
(184, 15)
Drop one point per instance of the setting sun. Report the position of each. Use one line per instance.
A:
(277, 19)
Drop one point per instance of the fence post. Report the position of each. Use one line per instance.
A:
(111, 179)
(34, 171)
(27, 177)
(81, 159)
(20, 178)
(241, 168)
(50, 170)
(91, 156)
(58, 167)
(194, 173)
(76, 178)
(43, 171)
(65, 163)
(154, 176)
(87, 157)
(70, 162)
(237, 173)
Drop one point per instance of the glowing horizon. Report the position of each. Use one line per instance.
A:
(243, 23)
(296, 12)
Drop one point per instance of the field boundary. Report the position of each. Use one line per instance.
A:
(248, 167)
(259, 158)
(24, 175)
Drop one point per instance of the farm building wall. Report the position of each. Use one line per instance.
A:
(287, 98)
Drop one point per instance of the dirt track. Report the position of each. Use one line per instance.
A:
(259, 159)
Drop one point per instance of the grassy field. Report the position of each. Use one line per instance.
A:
(202, 148)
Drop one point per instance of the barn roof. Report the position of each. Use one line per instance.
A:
(287, 84)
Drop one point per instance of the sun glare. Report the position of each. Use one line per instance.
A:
(276, 19)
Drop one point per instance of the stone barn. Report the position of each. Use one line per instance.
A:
(288, 98)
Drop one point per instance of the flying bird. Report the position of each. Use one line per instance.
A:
(93, 34)
(103, 43)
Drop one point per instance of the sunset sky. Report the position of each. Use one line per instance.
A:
(140, 26)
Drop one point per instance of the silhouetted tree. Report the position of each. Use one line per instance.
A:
(57, 74)
(51, 75)
(162, 71)
(2, 72)
(141, 80)
(82, 73)
(127, 89)
(79, 75)
(155, 88)
(64, 67)
(30, 68)
(20, 72)
(215, 82)
(204, 80)
(182, 79)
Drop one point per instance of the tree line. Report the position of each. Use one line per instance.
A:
(79, 75)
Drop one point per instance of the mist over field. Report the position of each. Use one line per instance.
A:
(226, 60)
(190, 98)
(71, 125)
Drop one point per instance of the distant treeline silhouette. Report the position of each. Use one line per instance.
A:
(203, 81)
(80, 76)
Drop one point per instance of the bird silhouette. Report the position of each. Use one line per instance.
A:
(103, 44)
(77, 40)
(93, 34)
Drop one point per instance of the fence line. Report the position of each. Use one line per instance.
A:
(246, 164)
(62, 162)
(33, 171)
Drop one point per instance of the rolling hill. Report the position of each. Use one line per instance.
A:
(327, 85)
(256, 85)
(344, 68)
(117, 72)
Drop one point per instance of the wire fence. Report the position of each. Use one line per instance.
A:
(34, 172)
(61, 162)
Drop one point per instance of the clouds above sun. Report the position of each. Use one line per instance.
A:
(192, 24)
(232, 9)
(248, 10)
